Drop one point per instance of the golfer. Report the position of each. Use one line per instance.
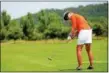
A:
(81, 28)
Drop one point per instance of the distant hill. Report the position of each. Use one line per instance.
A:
(89, 11)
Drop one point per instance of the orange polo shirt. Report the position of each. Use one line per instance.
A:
(78, 23)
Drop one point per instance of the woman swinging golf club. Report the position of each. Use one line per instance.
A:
(84, 33)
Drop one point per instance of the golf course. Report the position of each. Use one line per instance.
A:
(50, 56)
(42, 36)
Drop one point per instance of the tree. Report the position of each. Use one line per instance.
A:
(50, 24)
(104, 26)
(5, 20)
(97, 30)
(15, 31)
(43, 20)
(28, 26)
(3, 34)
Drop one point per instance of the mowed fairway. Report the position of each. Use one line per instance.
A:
(49, 56)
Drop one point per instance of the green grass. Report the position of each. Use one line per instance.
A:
(33, 56)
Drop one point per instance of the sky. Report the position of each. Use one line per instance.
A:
(18, 9)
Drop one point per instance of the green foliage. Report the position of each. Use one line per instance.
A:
(14, 31)
(5, 18)
(102, 25)
(53, 30)
(3, 33)
(65, 31)
(4, 25)
(97, 30)
(27, 25)
(43, 20)
(50, 24)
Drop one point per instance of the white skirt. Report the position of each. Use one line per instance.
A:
(85, 37)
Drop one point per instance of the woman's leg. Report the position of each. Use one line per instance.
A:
(79, 56)
(89, 52)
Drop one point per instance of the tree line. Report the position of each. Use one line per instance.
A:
(49, 23)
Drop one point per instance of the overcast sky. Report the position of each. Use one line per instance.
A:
(18, 9)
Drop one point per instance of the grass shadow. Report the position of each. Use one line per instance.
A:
(68, 70)
(74, 70)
